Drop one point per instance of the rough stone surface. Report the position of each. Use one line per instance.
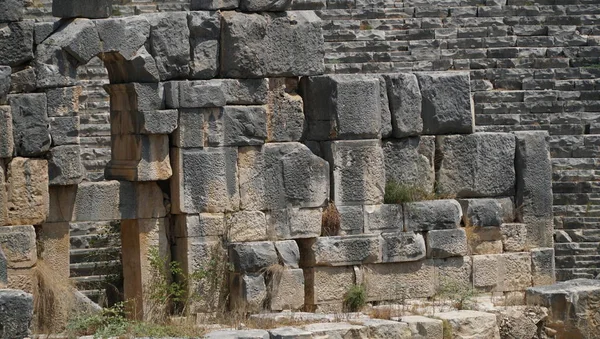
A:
(252, 256)
(447, 243)
(170, 41)
(19, 246)
(30, 124)
(410, 162)
(16, 43)
(5, 79)
(383, 218)
(234, 334)
(3, 197)
(271, 45)
(123, 35)
(381, 328)
(542, 266)
(64, 166)
(446, 103)
(423, 327)
(487, 212)
(64, 130)
(156, 122)
(287, 290)
(3, 269)
(27, 191)
(341, 250)
(63, 101)
(405, 99)
(246, 226)
(337, 330)
(7, 143)
(200, 225)
(285, 111)
(358, 171)
(237, 126)
(265, 5)
(11, 10)
(294, 223)
(248, 291)
(290, 333)
(82, 9)
(327, 284)
(80, 39)
(216, 93)
(213, 4)
(403, 246)
(514, 237)
(288, 252)
(352, 219)
(432, 215)
(23, 81)
(502, 272)
(16, 313)
(399, 281)
(139, 157)
(476, 165)
(471, 324)
(204, 43)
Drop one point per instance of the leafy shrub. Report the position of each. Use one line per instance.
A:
(355, 298)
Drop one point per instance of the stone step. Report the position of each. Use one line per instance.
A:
(93, 241)
(94, 254)
(86, 269)
(93, 295)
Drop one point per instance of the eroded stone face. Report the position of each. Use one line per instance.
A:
(27, 191)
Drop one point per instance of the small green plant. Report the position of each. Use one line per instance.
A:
(364, 26)
(447, 329)
(355, 298)
(396, 193)
(460, 294)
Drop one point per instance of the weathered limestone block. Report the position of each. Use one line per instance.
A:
(386, 218)
(405, 99)
(471, 324)
(123, 35)
(381, 329)
(248, 291)
(106, 200)
(265, 5)
(271, 45)
(7, 143)
(447, 243)
(446, 103)
(476, 165)
(236, 125)
(55, 246)
(534, 187)
(341, 250)
(399, 281)
(30, 124)
(216, 93)
(5, 82)
(352, 219)
(19, 246)
(327, 284)
(290, 333)
(199, 225)
(170, 42)
(3, 197)
(16, 313)
(285, 111)
(64, 166)
(16, 43)
(134, 97)
(520, 321)
(288, 253)
(484, 240)
(432, 215)
(514, 237)
(410, 162)
(144, 122)
(336, 330)
(423, 327)
(358, 171)
(190, 128)
(27, 191)
(294, 223)
(204, 180)
(453, 273)
(403, 246)
(213, 4)
(542, 266)
(502, 272)
(252, 256)
(287, 290)
(64, 130)
(573, 307)
(11, 10)
(281, 175)
(137, 157)
(342, 107)
(54, 66)
(246, 226)
(205, 28)
(86, 9)
(64, 101)
(487, 212)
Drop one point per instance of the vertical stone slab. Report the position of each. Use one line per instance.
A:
(30, 124)
(170, 44)
(404, 98)
(27, 191)
(3, 270)
(542, 266)
(205, 28)
(410, 162)
(6, 133)
(19, 246)
(534, 187)
(55, 246)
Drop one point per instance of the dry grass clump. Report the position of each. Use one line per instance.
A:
(53, 299)
(330, 222)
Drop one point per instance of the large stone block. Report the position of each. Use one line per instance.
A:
(287, 290)
(410, 162)
(11, 10)
(136, 157)
(170, 44)
(271, 45)
(204, 180)
(502, 272)
(471, 324)
(446, 103)
(542, 266)
(285, 111)
(534, 187)
(205, 28)
(327, 284)
(476, 165)
(123, 35)
(248, 292)
(386, 218)
(5, 82)
(289, 253)
(265, 5)
(453, 274)
(190, 129)
(487, 212)
(30, 124)
(216, 93)
(294, 223)
(399, 281)
(358, 171)
(352, 219)
(63, 101)
(27, 191)
(7, 143)
(405, 99)
(342, 107)
(336, 330)
(19, 245)
(16, 43)
(140, 68)
(199, 225)
(236, 125)
(16, 313)
(80, 39)
(572, 306)
(252, 256)
(514, 237)
(23, 81)
(423, 327)
(403, 246)
(281, 175)
(64, 166)
(447, 243)
(341, 250)
(54, 66)
(64, 130)
(432, 215)
(246, 226)
(54, 248)
(82, 9)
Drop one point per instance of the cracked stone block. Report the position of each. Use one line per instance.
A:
(248, 291)
(27, 191)
(16, 43)
(405, 99)
(23, 81)
(64, 130)
(502, 272)
(7, 143)
(64, 166)
(476, 165)
(19, 246)
(358, 171)
(383, 218)
(446, 103)
(410, 162)
(144, 122)
(204, 180)
(487, 212)
(447, 243)
(80, 39)
(252, 256)
(86, 9)
(294, 223)
(245, 226)
(432, 215)
(170, 44)
(341, 250)
(285, 111)
(271, 45)
(236, 126)
(205, 28)
(403, 246)
(30, 124)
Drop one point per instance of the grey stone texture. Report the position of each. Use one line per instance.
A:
(294, 223)
(252, 256)
(80, 39)
(352, 219)
(30, 124)
(6, 133)
(23, 81)
(246, 226)
(383, 218)
(447, 243)
(265, 5)
(542, 266)
(63, 101)
(403, 246)
(432, 215)
(204, 39)
(16, 43)
(514, 237)
(156, 122)
(19, 246)
(82, 9)
(405, 104)
(423, 327)
(64, 130)
(289, 333)
(170, 44)
(123, 35)
(410, 162)
(213, 4)
(3, 269)
(215, 93)
(476, 165)
(487, 212)
(271, 45)
(446, 103)
(474, 324)
(288, 252)
(5, 83)
(285, 111)
(358, 173)
(16, 313)
(340, 250)
(11, 10)
(248, 291)
(64, 166)
(237, 126)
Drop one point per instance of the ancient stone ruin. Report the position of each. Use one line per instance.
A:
(302, 160)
